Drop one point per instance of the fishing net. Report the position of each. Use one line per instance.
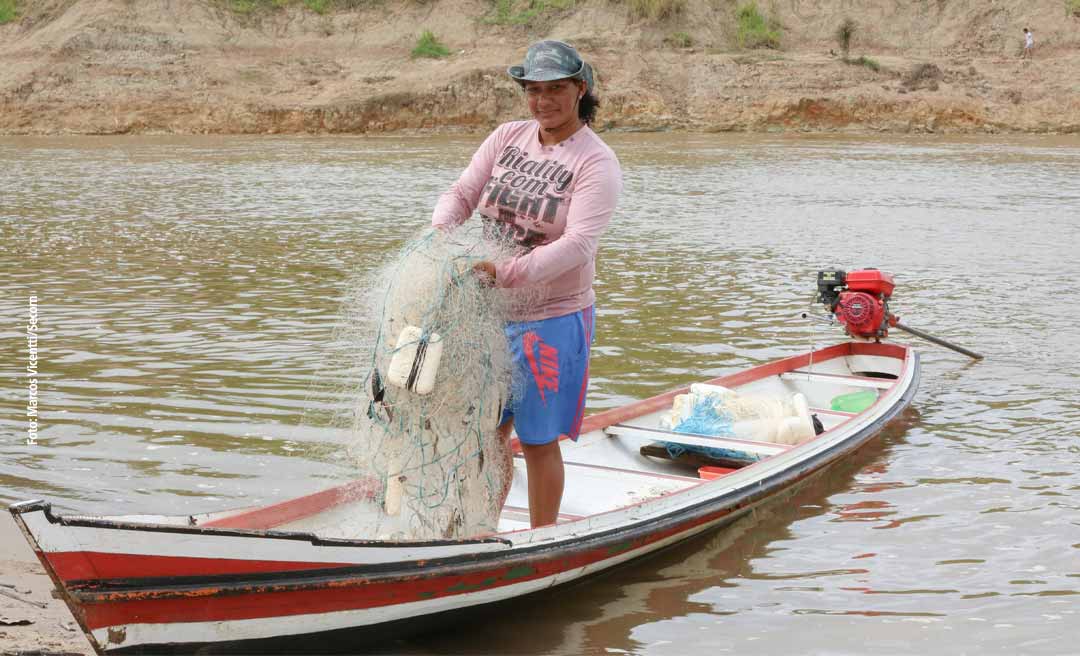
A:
(438, 467)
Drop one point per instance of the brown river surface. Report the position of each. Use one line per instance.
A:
(187, 289)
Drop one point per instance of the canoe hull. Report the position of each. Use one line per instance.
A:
(155, 586)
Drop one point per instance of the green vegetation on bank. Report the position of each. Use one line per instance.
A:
(252, 6)
(508, 12)
(754, 29)
(872, 64)
(428, 46)
(8, 11)
(249, 7)
(1072, 8)
(656, 10)
(844, 33)
(679, 40)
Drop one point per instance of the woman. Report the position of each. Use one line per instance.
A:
(552, 185)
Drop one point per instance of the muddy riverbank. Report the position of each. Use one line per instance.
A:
(170, 67)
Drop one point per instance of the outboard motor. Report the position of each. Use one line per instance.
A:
(859, 300)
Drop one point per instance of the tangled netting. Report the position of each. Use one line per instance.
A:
(442, 469)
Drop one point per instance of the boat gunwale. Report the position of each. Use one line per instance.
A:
(265, 534)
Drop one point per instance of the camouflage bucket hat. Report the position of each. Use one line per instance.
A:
(552, 60)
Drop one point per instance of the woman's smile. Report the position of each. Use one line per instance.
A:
(554, 104)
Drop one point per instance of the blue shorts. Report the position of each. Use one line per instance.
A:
(551, 362)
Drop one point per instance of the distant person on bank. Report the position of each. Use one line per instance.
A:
(1029, 44)
(551, 185)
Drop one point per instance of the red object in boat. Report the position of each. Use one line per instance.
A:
(712, 473)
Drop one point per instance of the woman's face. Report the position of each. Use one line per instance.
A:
(554, 104)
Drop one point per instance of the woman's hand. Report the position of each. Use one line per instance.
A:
(486, 271)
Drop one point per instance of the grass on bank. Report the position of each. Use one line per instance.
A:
(250, 7)
(1072, 8)
(656, 10)
(508, 12)
(872, 64)
(516, 12)
(679, 40)
(428, 46)
(8, 11)
(752, 60)
(754, 29)
(845, 32)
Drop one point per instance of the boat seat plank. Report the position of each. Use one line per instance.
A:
(621, 470)
(763, 449)
(635, 472)
(835, 413)
(837, 379)
(519, 512)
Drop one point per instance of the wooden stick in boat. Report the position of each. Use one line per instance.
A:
(691, 458)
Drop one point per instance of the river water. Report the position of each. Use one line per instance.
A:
(186, 290)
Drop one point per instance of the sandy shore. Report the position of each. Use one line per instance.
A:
(31, 620)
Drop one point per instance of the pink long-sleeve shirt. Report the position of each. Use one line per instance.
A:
(555, 201)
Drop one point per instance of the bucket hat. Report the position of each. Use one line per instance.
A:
(552, 60)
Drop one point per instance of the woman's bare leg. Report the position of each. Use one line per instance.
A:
(544, 464)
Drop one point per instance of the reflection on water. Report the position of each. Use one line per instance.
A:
(187, 290)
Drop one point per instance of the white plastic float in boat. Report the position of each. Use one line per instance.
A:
(272, 577)
(730, 414)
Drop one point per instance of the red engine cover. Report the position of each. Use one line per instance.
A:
(872, 281)
(862, 314)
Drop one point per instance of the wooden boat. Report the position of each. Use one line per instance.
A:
(277, 575)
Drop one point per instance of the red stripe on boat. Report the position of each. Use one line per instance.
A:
(268, 600)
